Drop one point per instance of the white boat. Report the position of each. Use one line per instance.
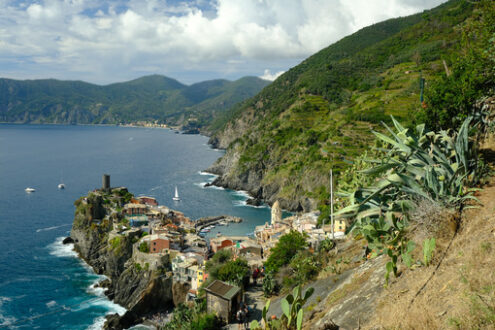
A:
(176, 196)
(61, 185)
(30, 190)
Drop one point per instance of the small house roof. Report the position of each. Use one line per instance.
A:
(148, 197)
(134, 205)
(223, 289)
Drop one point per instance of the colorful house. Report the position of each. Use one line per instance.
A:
(135, 209)
(159, 243)
(340, 225)
(202, 276)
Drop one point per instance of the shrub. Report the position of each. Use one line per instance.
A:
(235, 271)
(143, 247)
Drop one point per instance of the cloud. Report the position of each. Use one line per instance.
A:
(83, 39)
(267, 75)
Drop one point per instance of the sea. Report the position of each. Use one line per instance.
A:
(43, 284)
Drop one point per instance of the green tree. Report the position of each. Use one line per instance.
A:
(285, 249)
(451, 97)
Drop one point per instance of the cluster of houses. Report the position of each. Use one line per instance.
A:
(268, 235)
(172, 237)
(170, 234)
(173, 234)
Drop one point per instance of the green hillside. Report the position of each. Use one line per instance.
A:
(152, 98)
(282, 143)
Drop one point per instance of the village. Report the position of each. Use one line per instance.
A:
(165, 239)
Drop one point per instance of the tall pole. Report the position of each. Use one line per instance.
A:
(331, 203)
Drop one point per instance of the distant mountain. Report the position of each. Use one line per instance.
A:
(282, 143)
(150, 98)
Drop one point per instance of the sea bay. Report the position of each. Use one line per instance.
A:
(44, 285)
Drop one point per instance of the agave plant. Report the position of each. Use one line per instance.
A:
(418, 165)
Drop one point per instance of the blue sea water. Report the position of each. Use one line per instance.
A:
(43, 285)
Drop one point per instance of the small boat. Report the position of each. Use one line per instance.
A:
(61, 186)
(176, 196)
(30, 190)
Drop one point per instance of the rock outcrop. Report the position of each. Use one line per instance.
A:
(139, 290)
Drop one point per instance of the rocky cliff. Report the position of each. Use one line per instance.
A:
(256, 178)
(109, 252)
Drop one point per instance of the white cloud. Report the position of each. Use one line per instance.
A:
(105, 43)
(267, 75)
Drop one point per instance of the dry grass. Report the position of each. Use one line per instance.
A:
(461, 294)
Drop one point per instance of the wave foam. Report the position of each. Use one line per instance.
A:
(5, 320)
(59, 249)
(98, 323)
(97, 291)
(215, 187)
(51, 303)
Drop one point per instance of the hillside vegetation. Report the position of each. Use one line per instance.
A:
(152, 99)
(282, 143)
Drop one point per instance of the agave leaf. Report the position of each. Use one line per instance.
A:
(386, 139)
(420, 130)
(378, 169)
(400, 144)
(375, 211)
(397, 125)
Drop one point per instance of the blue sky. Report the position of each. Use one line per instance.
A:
(109, 41)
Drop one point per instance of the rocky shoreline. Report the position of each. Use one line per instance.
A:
(250, 179)
(142, 292)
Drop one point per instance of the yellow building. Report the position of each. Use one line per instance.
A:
(201, 276)
(340, 225)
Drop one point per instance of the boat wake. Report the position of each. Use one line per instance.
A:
(52, 228)
(155, 188)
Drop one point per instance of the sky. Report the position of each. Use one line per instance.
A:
(111, 41)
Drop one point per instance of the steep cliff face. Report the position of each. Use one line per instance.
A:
(256, 178)
(139, 290)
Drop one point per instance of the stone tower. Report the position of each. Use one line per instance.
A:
(276, 213)
(105, 183)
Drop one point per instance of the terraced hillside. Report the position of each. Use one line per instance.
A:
(282, 143)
